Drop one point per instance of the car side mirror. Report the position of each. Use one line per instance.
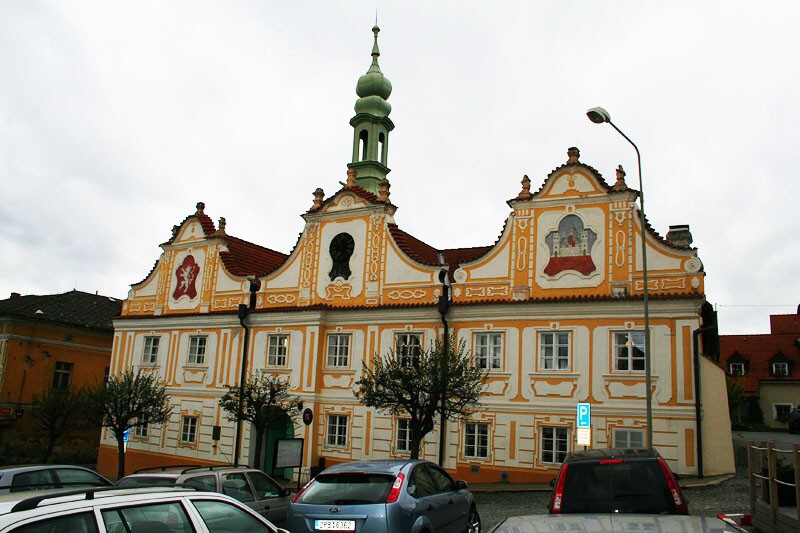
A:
(461, 484)
(285, 492)
(553, 482)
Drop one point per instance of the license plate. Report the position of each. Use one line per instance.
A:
(334, 525)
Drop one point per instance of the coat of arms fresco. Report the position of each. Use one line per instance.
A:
(187, 276)
(570, 247)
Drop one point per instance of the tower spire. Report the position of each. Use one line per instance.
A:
(371, 123)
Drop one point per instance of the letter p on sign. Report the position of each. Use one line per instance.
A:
(584, 415)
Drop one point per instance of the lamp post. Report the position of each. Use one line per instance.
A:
(598, 115)
(243, 312)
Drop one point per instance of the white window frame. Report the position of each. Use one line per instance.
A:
(189, 425)
(277, 349)
(554, 444)
(628, 438)
(197, 349)
(787, 406)
(784, 369)
(407, 347)
(488, 350)
(737, 369)
(62, 375)
(555, 349)
(336, 433)
(150, 349)
(402, 442)
(625, 351)
(476, 439)
(142, 430)
(339, 350)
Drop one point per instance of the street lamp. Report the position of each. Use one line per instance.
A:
(598, 115)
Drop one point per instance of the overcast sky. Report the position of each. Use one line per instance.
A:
(116, 118)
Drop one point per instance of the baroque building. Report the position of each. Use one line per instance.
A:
(553, 310)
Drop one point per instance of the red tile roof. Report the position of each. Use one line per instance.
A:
(759, 350)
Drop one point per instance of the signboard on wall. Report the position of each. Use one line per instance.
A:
(289, 453)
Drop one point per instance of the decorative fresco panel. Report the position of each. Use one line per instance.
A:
(570, 247)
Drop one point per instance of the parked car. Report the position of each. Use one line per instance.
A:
(608, 523)
(250, 486)
(615, 480)
(115, 510)
(382, 497)
(41, 477)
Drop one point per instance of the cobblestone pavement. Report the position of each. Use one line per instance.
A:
(731, 496)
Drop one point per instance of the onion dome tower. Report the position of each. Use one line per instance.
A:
(371, 125)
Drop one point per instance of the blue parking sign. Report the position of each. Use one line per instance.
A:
(584, 415)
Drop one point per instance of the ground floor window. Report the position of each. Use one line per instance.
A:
(476, 440)
(554, 444)
(337, 430)
(189, 429)
(780, 411)
(403, 442)
(628, 438)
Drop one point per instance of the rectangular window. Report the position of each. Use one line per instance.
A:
(403, 442)
(62, 375)
(629, 351)
(489, 351)
(339, 350)
(780, 369)
(150, 351)
(337, 430)
(408, 347)
(737, 369)
(189, 429)
(476, 440)
(141, 430)
(277, 350)
(780, 411)
(554, 351)
(197, 349)
(555, 444)
(628, 438)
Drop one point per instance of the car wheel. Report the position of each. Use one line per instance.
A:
(473, 521)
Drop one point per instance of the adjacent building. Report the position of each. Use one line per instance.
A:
(767, 367)
(553, 309)
(53, 341)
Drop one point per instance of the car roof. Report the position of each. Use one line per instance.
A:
(601, 454)
(30, 468)
(66, 499)
(179, 470)
(379, 466)
(607, 523)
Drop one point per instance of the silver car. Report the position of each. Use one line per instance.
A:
(384, 497)
(250, 486)
(45, 477)
(614, 523)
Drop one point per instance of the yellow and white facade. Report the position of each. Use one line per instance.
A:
(553, 309)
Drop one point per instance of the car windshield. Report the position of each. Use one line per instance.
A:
(145, 481)
(348, 489)
(616, 487)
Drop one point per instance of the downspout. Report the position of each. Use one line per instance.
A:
(244, 311)
(697, 405)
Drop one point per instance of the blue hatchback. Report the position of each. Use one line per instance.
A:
(382, 497)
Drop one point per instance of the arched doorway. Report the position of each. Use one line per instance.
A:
(282, 428)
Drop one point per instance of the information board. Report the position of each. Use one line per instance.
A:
(289, 453)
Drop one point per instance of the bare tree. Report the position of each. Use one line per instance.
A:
(420, 387)
(267, 399)
(58, 413)
(127, 401)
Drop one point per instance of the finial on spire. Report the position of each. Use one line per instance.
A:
(383, 190)
(200, 206)
(351, 178)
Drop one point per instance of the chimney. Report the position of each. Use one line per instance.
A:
(680, 236)
(15, 295)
